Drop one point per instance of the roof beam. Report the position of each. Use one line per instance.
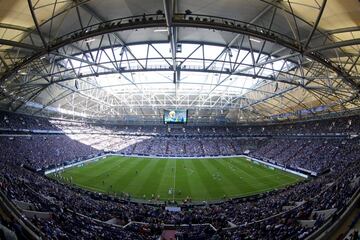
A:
(344, 30)
(18, 44)
(4, 63)
(169, 12)
(268, 97)
(260, 64)
(92, 12)
(36, 23)
(257, 17)
(184, 22)
(315, 24)
(84, 61)
(15, 27)
(344, 43)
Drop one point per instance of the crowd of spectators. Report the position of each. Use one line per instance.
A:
(316, 155)
(274, 215)
(48, 150)
(43, 151)
(330, 191)
(342, 125)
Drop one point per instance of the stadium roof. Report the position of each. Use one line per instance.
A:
(233, 60)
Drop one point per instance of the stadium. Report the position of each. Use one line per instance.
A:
(178, 119)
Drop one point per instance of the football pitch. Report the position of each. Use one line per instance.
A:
(176, 179)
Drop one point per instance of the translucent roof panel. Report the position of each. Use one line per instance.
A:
(203, 69)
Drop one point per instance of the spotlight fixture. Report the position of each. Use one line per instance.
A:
(255, 40)
(90, 40)
(188, 12)
(161, 30)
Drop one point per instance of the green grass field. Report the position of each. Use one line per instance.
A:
(201, 179)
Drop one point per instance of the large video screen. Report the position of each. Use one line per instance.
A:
(175, 116)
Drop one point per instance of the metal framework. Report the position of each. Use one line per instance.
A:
(260, 73)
